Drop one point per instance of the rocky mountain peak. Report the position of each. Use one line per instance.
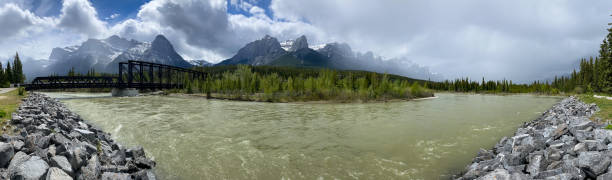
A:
(120, 43)
(336, 49)
(161, 44)
(299, 43)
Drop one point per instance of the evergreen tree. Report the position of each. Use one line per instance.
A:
(9, 72)
(18, 76)
(605, 66)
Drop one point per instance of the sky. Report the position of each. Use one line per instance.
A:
(521, 40)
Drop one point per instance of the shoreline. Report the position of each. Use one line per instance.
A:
(358, 101)
(50, 141)
(563, 143)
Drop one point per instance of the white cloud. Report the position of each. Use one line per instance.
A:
(81, 16)
(522, 40)
(112, 16)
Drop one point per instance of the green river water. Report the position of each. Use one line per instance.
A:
(195, 138)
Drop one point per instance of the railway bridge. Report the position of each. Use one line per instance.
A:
(132, 76)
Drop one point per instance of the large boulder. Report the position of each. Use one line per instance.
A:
(62, 163)
(32, 169)
(55, 173)
(92, 170)
(6, 153)
(594, 163)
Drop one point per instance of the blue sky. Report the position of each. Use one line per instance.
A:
(120, 10)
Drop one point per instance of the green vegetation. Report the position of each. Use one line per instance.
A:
(605, 106)
(286, 84)
(11, 74)
(8, 104)
(594, 75)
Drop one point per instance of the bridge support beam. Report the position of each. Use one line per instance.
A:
(122, 92)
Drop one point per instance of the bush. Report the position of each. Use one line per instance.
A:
(2, 113)
(578, 90)
(21, 91)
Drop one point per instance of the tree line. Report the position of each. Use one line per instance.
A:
(11, 74)
(593, 75)
(263, 83)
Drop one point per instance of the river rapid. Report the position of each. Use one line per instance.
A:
(196, 138)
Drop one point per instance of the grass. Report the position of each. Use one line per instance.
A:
(605, 106)
(8, 104)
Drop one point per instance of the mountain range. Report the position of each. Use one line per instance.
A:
(269, 51)
(103, 55)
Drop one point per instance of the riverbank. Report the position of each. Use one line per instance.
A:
(605, 107)
(53, 142)
(561, 144)
(9, 101)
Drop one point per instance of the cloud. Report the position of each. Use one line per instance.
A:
(16, 20)
(81, 16)
(112, 16)
(204, 29)
(522, 40)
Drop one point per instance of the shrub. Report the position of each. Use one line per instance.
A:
(21, 91)
(2, 113)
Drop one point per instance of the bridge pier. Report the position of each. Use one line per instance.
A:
(121, 92)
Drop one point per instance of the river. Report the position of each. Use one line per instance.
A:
(195, 138)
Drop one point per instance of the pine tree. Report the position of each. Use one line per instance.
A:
(605, 55)
(2, 76)
(8, 72)
(18, 76)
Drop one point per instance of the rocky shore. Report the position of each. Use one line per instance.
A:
(561, 144)
(51, 142)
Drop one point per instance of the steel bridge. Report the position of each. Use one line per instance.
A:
(132, 74)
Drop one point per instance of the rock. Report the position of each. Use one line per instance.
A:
(6, 153)
(17, 144)
(118, 157)
(595, 145)
(581, 125)
(484, 155)
(548, 173)
(135, 152)
(594, 163)
(55, 173)
(89, 136)
(560, 131)
(606, 176)
(496, 174)
(115, 176)
(17, 160)
(77, 156)
(582, 135)
(62, 163)
(604, 135)
(514, 159)
(92, 170)
(143, 175)
(33, 168)
(144, 163)
(580, 147)
(536, 164)
(562, 176)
